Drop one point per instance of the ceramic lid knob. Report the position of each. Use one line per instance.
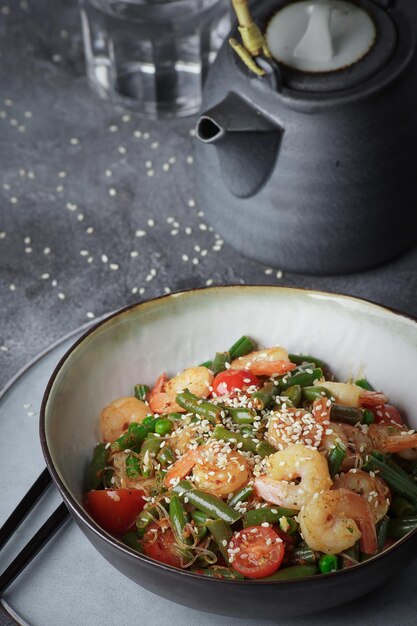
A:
(320, 35)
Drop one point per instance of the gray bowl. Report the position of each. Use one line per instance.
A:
(139, 342)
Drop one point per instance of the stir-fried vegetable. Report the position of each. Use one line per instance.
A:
(257, 465)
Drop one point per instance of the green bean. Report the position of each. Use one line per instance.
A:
(132, 466)
(219, 362)
(207, 364)
(166, 456)
(178, 519)
(399, 483)
(362, 382)
(346, 414)
(389, 461)
(402, 507)
(201, 532)
(265, 449)
(304, 379)
(293, 394)
(241, 415)
(242, 347)
(249, 444)
(288, 525)
(398, 528)
(303, 555)
(141, 392)
(149, 450)
(382, 532)
(202, 408)
(292, 572)
(151, 445)
(206, 502)
(335, 458)
(312, 393)
(199, 517)
(146, 517)
(299, 359)
(98, 466)
(368, 417)
(132, 540)
(413, 469)
(134, 437)
(241, 496)
(221, 534)
(219, 572)
(262, 398)
(272, 515)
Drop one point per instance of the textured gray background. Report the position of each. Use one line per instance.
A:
(69, 249)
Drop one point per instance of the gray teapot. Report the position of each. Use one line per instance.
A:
(310, 164)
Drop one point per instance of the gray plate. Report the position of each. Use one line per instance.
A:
(70, 583)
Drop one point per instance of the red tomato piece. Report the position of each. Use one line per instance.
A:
(261, 551)
(386, 413)
(115, 509)
(159, 544)
(231, 382)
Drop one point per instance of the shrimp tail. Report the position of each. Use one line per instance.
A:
(398, 443)
(370, 399)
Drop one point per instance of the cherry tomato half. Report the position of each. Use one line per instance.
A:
(158, 543)
(387, 413)
(261, 551)
(115, 509)
(230, 382)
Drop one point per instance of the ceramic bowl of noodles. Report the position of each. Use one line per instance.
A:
(242, 449)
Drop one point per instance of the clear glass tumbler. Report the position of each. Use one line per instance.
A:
(151, 56)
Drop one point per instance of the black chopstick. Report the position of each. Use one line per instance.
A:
(24, 506)
(31, 549)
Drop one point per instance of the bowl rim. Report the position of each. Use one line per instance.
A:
(80, 512)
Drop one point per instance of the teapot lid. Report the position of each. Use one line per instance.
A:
(320, 35)
(328, 46)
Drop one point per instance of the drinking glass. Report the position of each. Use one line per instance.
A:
(151, 56)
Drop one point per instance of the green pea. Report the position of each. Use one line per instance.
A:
(328, 563)
(163, 427)
(148, 419)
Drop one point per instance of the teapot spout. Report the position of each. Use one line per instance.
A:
(246, 141)
(208, 129)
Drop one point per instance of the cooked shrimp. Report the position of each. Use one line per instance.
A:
(221, 471)
(384, 438)
(215, 469)
(196, 379)
(349, 394)
(287, 466)
(389, 438)
(291, 425)
(117, 416)
(268, 362)
(181, 468)
(335, 520)
(372, 488)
